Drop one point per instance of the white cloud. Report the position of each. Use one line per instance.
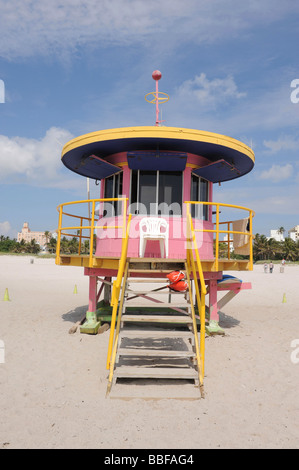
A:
(277, 173)
(5, 228)
(283, 143)
(210, 92)
(29, 27)
(33, 161)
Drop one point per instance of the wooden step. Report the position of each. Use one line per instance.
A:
(154, 352)
(157, 318)
(157, 333)
(155, 372)
(158, 305)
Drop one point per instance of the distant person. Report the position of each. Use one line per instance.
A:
(271, 267)
(265, 268)
(283, 262)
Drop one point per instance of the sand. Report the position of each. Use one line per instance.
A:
(53, 384)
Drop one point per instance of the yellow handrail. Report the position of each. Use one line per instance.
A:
(217, 231)
(64, 230)
(113, 357)
(116, 289)
(200, 296)
(199, 354)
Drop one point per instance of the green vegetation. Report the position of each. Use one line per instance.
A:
(68, 246)
(264, 249)
(12, 246)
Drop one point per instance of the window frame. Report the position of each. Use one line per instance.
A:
(116, 193)
(156, 202)
(201, 209)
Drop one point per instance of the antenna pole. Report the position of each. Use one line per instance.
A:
(157, 96)
(157, 102)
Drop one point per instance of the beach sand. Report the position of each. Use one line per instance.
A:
(53, 384)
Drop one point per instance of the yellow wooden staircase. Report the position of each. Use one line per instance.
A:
(154, 338)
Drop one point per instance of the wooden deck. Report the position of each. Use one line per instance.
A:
(151, 265)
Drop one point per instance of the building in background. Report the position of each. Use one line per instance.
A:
(276, 235)
(27, 235)
(294, 233)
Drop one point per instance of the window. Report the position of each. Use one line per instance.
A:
(113, 188)
(199, 192)
(156, 192)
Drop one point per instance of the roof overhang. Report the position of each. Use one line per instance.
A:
(162, 161)
(155, 140)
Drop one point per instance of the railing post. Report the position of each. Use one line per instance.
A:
(228, 240)
(250, 239)
(59, 235)
(217, 235)
(188, 234)
(91, 234)
(80, 237)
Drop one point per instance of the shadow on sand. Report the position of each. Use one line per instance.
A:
(76, 314)
(226, 321)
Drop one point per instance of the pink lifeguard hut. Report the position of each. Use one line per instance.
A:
(155, 215)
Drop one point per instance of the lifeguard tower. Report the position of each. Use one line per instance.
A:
(155, 215)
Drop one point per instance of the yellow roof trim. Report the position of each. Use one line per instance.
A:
(161, 132)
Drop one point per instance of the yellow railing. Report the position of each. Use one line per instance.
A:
(92, 221)
(116, 291)
(228, 232)
(195, 269)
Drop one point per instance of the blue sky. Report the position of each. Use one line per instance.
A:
(79, 66)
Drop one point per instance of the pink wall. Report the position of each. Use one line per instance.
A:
(109, 241)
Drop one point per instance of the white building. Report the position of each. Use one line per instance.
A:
(276, 235)
(294, 233)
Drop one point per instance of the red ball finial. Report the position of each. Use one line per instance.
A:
(157, 75)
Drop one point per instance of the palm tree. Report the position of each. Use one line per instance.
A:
(281, 230)
(51, 245)
(273, 248)
(47, 235)
(290, 249)
(260, 247)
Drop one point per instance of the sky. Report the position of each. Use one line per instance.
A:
(76, 66)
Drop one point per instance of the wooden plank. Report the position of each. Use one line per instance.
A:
(155, 373)
(157, 260)
(158, 304)
(154, 352)
(225, 299)
(141, 334)
(157, 318)
(235, 286)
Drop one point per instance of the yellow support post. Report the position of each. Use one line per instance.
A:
(217, 236)
(59, 235)
(113, 356)
(198, 357)
(250, 241)
(200, 297)
(116, 290)
(91, 234)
